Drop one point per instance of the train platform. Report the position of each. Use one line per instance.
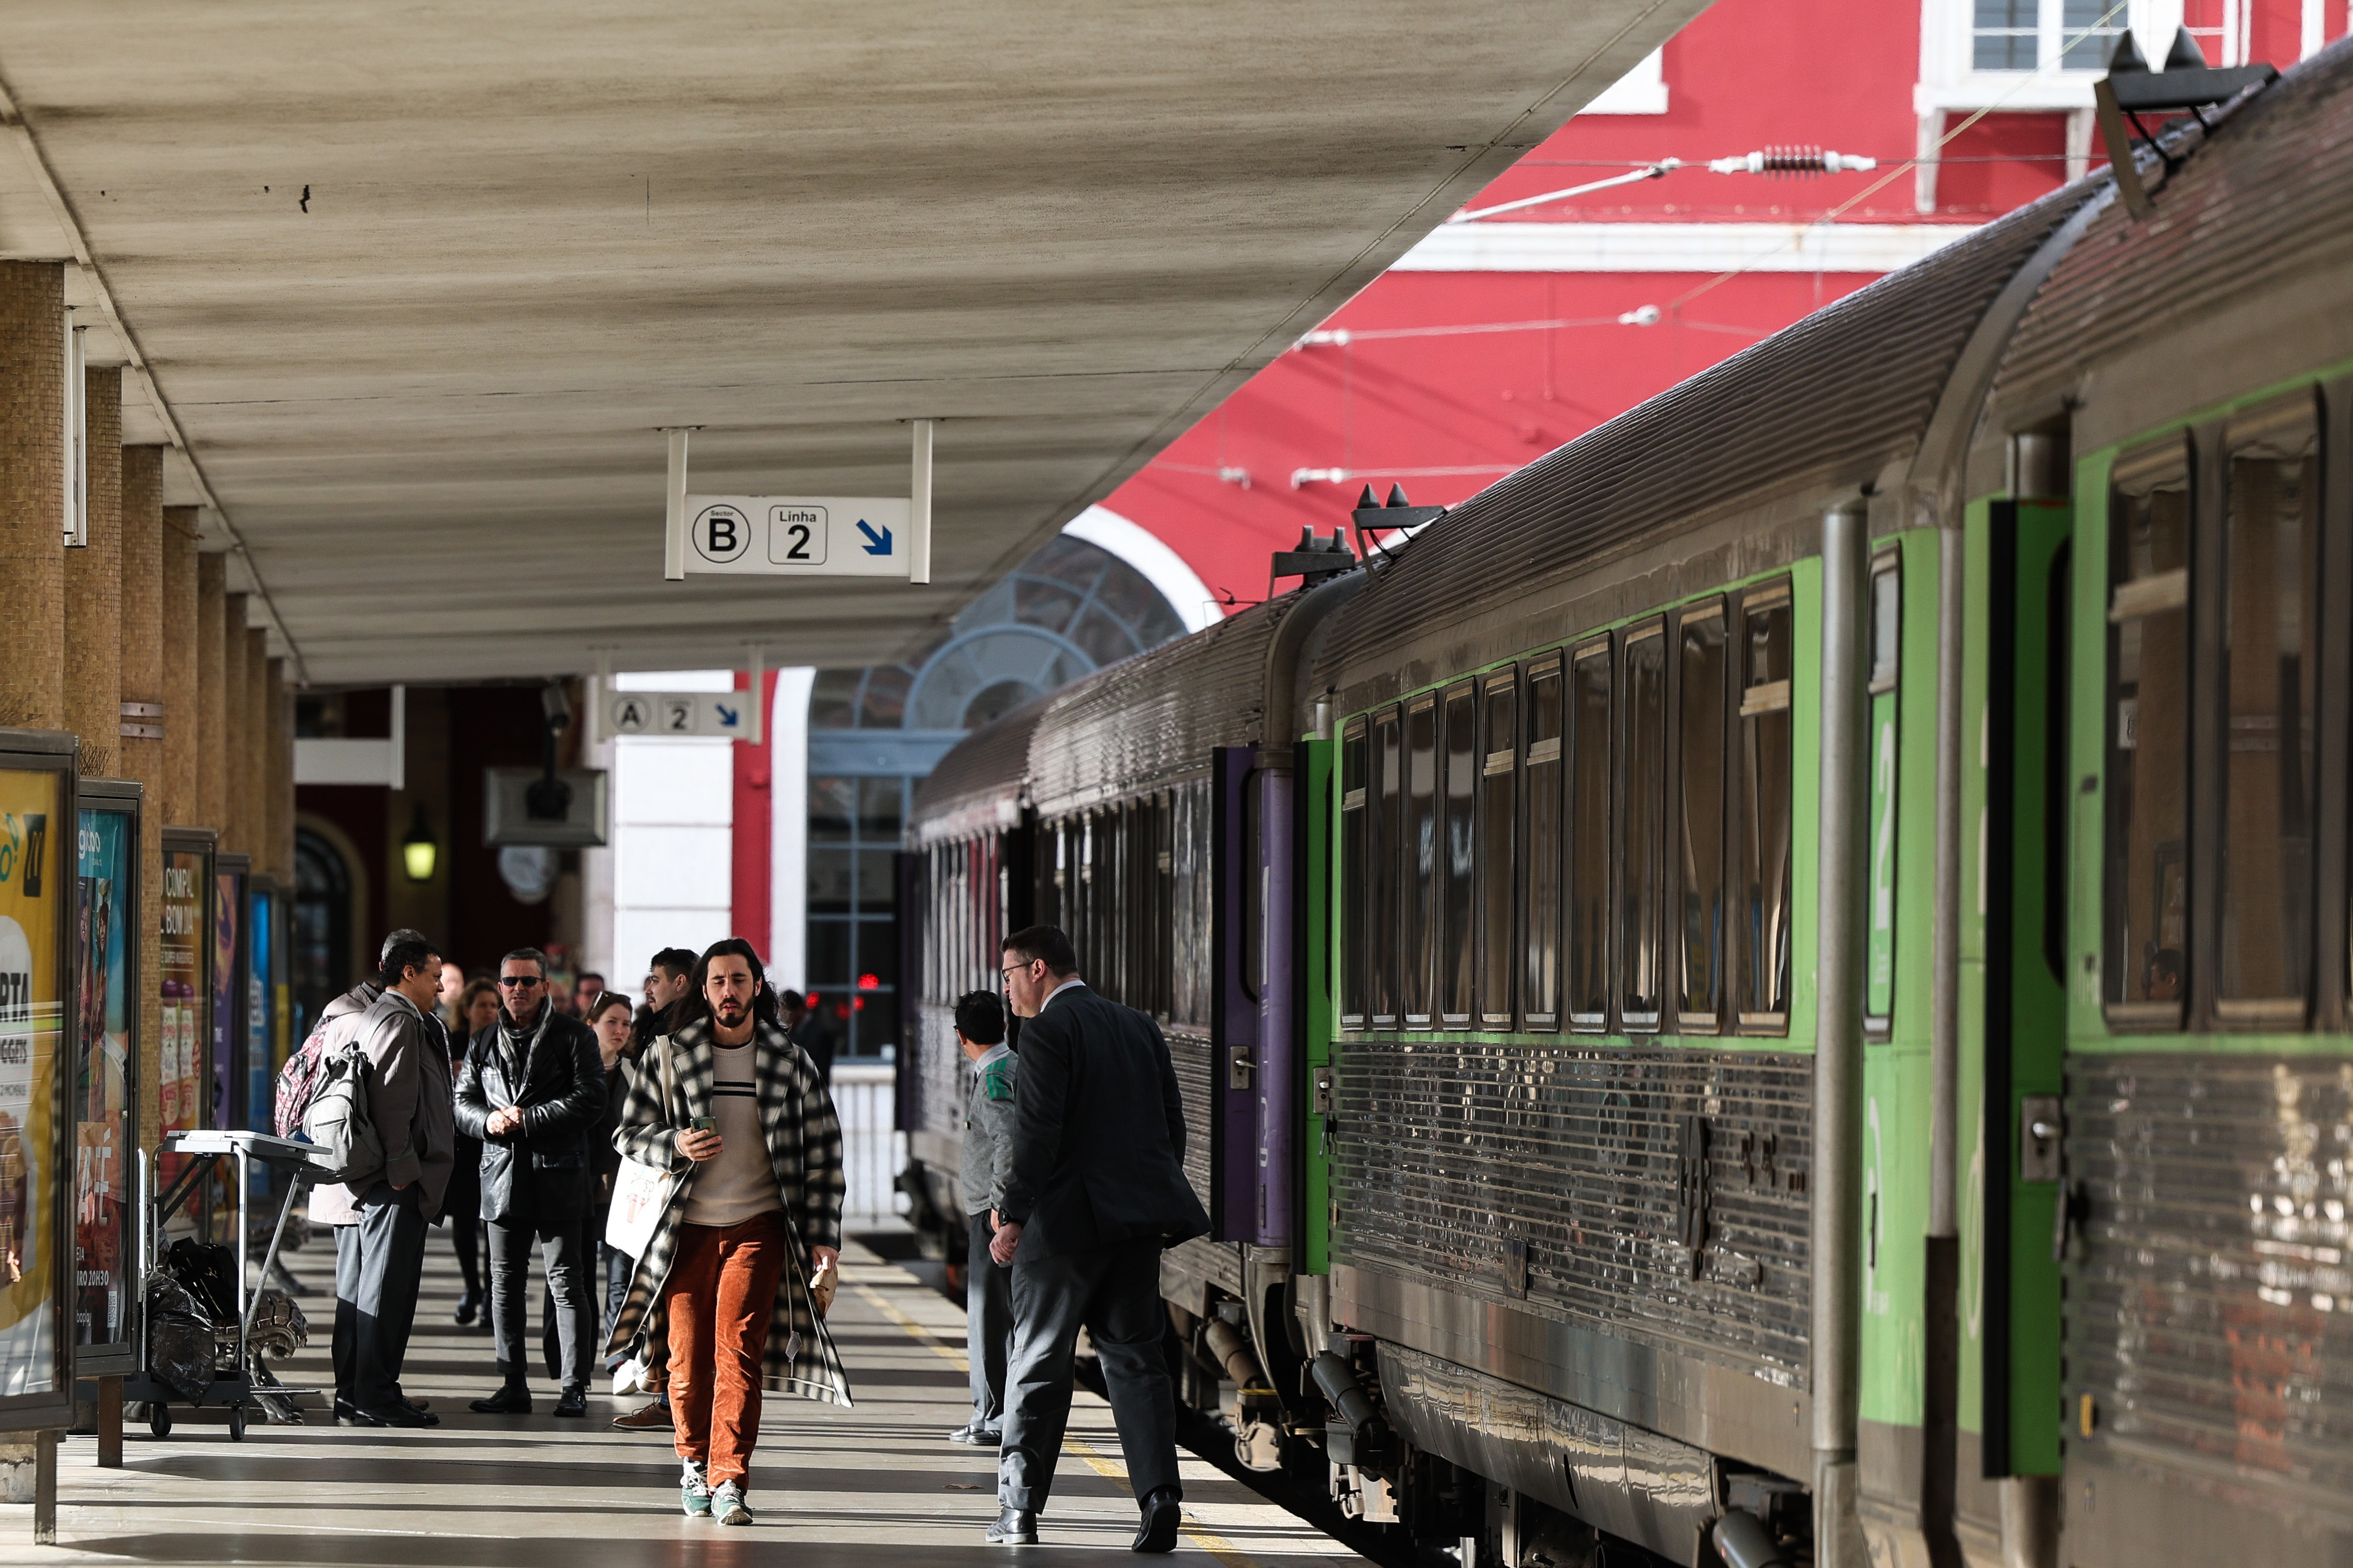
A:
(831, 1487)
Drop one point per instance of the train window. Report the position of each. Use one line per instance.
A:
(1459, 851)
(1164, 903)
(1498, 824)
(1701, 666)
(1381, 851)
(1590, 844)
(1356, 904)
(2270, 573)
(1762, 811)
(2148, 872)
(1879, 926)
(1643, 787)
(1418, 973)
(1540, 980)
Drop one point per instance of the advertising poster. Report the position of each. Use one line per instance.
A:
(229, 988)
(260, 1066)
(180, 1068)
(103, 1137)
(33, 850)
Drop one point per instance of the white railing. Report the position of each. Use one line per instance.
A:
(863, 1097)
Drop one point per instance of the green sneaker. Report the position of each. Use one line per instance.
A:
(727, 1504)
(694, 1490)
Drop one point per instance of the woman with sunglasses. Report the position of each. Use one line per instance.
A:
(477, 1007)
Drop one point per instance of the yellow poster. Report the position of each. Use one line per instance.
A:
(36, 842)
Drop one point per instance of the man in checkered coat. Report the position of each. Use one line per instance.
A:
(739, 1118)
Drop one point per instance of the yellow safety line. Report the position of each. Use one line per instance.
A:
(1216, 1546)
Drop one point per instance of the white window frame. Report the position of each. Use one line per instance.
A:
(1642, 90)
(1949, 81)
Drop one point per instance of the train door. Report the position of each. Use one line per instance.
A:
(2015, 815)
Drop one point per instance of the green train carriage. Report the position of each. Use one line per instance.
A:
(2033, 1249)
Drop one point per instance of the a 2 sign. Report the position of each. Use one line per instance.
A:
(818, 536)
(724, 715)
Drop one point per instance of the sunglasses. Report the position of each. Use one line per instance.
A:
(512, 980)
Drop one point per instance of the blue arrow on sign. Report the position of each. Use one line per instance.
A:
(726, 714)
(876, 544)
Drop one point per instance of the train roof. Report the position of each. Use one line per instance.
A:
(980, 784)
(1735, 464)
(2244, 254)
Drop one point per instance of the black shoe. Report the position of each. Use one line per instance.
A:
(511, 1400)
(1162, 1511)
(1014, 1526)
(467, 1305)
(574, 1403)
(346, 1412)
(395, 1416)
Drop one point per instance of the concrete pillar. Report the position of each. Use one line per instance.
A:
(144, 659)
(212, 707)
(32, 494)
(281, 774)
(237, 738)
(93, 590)
(259, 816)
(183, 719)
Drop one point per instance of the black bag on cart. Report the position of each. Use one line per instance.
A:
(179, 1338)
(207, 1269)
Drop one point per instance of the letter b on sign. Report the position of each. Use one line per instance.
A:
(721, 534)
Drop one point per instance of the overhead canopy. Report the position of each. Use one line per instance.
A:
(413, 286)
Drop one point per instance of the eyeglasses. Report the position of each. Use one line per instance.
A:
(1015, 969)
(513, 980)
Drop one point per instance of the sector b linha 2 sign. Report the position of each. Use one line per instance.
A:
(818, 536)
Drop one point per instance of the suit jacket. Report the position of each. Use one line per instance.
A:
(1098, 1132)
(537, 1173)
(409, 1096)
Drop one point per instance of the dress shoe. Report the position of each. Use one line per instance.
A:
(511, 1400)
(394, 1415)
(469, 1304)
(344, 1412)
(1014, 1526)
(1162, 1512)
(978, 1435)
(646, 1418)
(573, 1401)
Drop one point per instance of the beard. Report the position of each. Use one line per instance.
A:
(731, 1012)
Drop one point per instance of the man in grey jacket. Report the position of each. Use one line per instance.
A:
(409, 1103)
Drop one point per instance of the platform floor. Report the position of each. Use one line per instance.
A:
(864, 1487)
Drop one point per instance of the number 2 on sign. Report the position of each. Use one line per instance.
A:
(799, 552)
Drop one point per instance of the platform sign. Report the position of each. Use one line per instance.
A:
(785, 536)
(719, 715)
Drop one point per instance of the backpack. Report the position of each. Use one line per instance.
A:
(338, 1119)
(298, 1082)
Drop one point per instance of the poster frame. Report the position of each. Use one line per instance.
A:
(232, 1113)
(126, 797)
(206, 842)
(56, 752)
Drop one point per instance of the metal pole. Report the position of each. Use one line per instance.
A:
(397, 776)
(1945, 913)
(919, 520)
(1838, 1042)
(758, 703)
(674, 511)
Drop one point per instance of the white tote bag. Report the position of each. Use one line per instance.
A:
(640, 1192)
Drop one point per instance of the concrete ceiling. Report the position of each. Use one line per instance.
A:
(411, 286)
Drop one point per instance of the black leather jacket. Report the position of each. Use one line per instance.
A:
(537, 1173)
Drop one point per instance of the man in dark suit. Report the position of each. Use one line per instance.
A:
(1097, 1190)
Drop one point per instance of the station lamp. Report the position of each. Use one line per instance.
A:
(418, 853)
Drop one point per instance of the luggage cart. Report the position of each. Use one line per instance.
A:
(242, 1382)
